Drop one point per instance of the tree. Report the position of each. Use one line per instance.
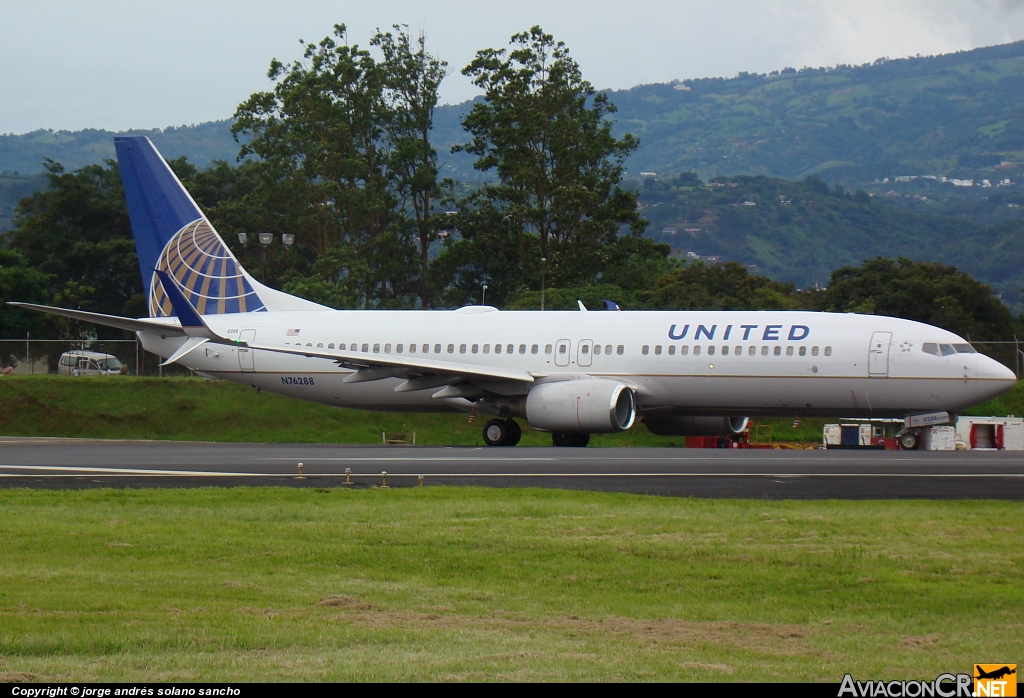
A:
(345, 162)
(412, 78)
(544, 131)
(729, 286)
(77, 234)
(926, 292)
(20, 282)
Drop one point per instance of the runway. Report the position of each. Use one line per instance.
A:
(768, 474)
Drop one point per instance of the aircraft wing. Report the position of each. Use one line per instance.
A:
(167, 327)
(370, 367)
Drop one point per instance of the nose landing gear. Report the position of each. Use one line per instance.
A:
(502, 432)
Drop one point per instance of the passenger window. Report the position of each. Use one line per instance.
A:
(646, 350)
(947, 349)
(711, 350)
(320, 345)
(476, 348)
(657, 350)
(533, 349)
(620, 350)
(803, 351)
(672, 350)
(451, 348)
(376, 348)
(331, 345)
(522, 348)
(366, 348)
(309, 344)
(752, 351)
(684, 350)
(964, 349)
(497, 348)
(828, 351)
(510, 349)
(725, 351)
(696, 350)
(584, 349)
(608, 349)
(487, 348)
(437, 349)
(562, 348)
(399, 348)
(462, 348)
(764, 351)
(597, 350)
(778, 351)
(387, 348)
(547, 348)
(738, 351)
(814, 351)
(789, 351)
(412, 348)
(426, 348)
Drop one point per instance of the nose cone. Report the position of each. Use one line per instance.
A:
(997, 377)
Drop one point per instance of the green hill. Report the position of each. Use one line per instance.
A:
(801, 231)
(957, 115)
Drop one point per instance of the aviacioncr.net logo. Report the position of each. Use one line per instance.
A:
(943, 686)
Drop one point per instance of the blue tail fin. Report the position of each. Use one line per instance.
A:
(172, 235)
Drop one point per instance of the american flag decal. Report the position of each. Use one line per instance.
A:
(291, 333)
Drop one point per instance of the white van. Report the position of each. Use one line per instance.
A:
(89, 363)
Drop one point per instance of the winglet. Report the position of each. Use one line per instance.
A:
(187, 315)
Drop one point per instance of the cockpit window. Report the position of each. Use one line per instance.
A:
(930, 348)
(964, 349)
(947, 349)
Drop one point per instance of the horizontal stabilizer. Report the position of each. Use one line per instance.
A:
(167, 327)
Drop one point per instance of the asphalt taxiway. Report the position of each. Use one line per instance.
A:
(769, 474)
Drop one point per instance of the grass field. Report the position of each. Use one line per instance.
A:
(193, 409)
(445, 583)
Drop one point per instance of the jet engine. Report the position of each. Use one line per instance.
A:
(672, 425)
(590, 406)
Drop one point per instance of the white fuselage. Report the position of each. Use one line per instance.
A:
(696, 362)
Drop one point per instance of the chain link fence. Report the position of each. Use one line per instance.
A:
(41, 356)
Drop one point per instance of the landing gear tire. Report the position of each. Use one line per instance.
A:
(502, 432)
(515, 433)
(561, 438)
(909, 441)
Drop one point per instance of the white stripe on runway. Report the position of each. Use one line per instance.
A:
(137, 472)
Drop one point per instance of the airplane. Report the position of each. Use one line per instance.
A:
(570, 373)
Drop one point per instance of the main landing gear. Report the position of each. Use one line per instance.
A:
(502, 432)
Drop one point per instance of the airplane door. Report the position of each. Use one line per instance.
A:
(878, 356)
(562, 352)
(246, 360)
(584, 352)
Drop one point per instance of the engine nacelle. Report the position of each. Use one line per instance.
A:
(589, 406)
(695, 426)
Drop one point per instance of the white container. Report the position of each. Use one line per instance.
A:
(938, 439)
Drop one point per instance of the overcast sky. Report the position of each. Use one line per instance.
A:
(118, 65)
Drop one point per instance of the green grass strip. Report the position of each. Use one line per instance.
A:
(446, 583)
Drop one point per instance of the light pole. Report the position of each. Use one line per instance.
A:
(483, 300)
(543, 269)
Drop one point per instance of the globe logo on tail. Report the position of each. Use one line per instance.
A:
(206, 272)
